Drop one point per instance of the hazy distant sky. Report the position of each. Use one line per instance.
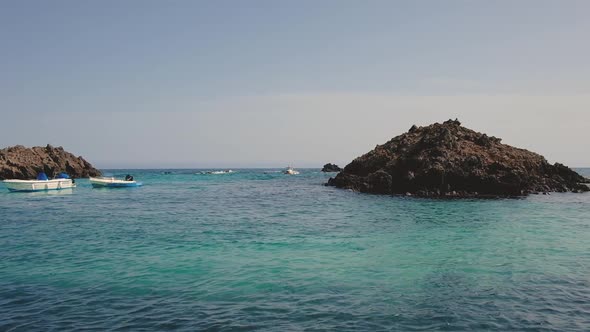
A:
(270, 83)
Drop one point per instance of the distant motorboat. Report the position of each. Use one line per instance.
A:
(217, 172)
(62, 181)
(221, 172)
(290, 171)
(111, 182)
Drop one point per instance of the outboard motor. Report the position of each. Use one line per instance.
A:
(128, 177)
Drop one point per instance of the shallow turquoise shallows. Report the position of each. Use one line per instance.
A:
(257, 249)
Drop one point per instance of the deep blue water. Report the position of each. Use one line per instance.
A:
(265, 251)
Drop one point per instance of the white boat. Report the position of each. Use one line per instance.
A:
(41, 184)
(227, 171)
(220, 172)
(290, 171)
(111, 182)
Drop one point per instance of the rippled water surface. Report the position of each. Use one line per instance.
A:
(261, 250)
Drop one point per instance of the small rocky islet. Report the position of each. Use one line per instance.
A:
(19, 162)
(331, 168)
(449, 160)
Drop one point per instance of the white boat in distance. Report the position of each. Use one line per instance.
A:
(228, 171)
(41, 184)
(106, 182)
(290, 171)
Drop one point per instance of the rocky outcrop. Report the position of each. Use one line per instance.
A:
(331, 168)
(448, 160)
(19, 162)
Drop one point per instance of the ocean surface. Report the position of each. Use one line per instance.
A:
(259, 250)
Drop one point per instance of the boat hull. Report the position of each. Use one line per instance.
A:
(113, 183)
(38, 185)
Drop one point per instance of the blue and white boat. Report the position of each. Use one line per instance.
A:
(42, 183)
(111, 182)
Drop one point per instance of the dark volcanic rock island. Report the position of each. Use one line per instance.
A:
(328, 168)
(448, 160)
(19, 162)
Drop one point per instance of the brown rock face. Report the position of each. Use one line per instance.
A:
(19, 162)
(448, 160)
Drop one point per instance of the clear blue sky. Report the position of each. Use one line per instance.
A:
(270, 83)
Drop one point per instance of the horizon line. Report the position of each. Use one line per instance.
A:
(190, 168)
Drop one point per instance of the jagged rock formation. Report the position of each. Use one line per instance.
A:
(19, 162)
(448, 160)
(331, 168)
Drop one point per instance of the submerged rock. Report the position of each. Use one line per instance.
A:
(331, 168)
(448, 160)
(19, 162)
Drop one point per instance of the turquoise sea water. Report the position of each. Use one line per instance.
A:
(259, 250)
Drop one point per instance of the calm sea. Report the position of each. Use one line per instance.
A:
(259, 250)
